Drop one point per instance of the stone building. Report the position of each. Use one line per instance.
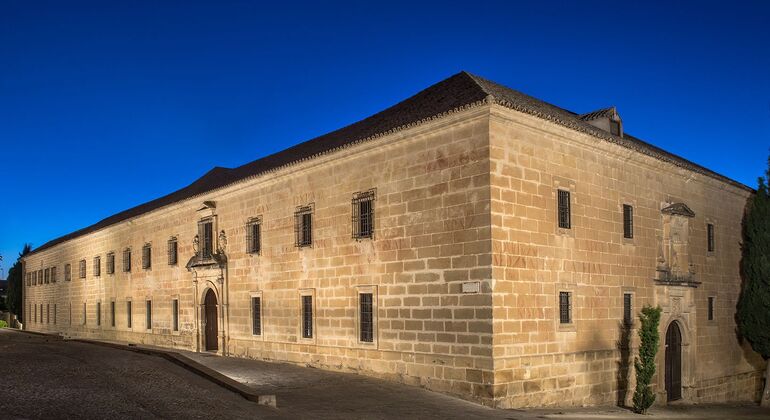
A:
(471, 240)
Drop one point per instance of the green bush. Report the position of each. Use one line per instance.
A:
(3, 324)
(645, 362)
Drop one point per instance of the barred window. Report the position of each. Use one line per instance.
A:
(172, 251)
(307, 316)
(111, 263)
(97, 266)
(127, 260)
(48, 313)
(85, 314)
(128, 313)
(98, 313)
(82, 270)
(147, 256)
(628, 314)
(175, 314)
(363, 214)
(711, 308)
(303, 226)
(206, 238)
(565, 307)
(710, 233)
(628, 221)
(53, 274)
(254, 235)
(47, 275)
(67, 272)
(366, 317)
(29, 279)
(112, 314)
(54, 314)
(40, 276)
(148, 315)
(565, 221)
(34, 278)
(256, 315)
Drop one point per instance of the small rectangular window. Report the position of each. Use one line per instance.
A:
(98, 313)
(54, 314)
(175, 314)
(172, 251)
(363, 214)
(254, 235)
(628, 315)
(41, 314)
(366, 317)
(206, 239)
(111, 263)
(128, 314)
(48, 313)
(710, 232)
(147, 256)
(112, 314)
(40, 276)
(303, 226)
(29, 280)
(53, 274)
(711, 308)
(82, 271)
(67, 272)
(34, 278)
(565, 216)
(148, 315)
(307, 316)
(127, 260)
(47, 275)
(628, 221)
(565, 307)
(85, 314)
(256, 315)
(97, 266)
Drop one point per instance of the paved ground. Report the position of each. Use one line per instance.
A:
(41, 377)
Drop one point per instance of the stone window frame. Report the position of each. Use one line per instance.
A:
(53, 274)
(357, 204)
(67, 272)
(261, 335)
(47, 275)
(127, 259)
(113, 314)
(303, 229)
(99, 314)
(85, 314)
(301, 293)
(627, 201)
(110, 263)
(47, 313)
(623, 292)
(711, 251)
(372, 289)
(54, 314)
(178, 330)
(97, 267)
(572, 325)
(254, 238)
(711, 306)
(148, 314)
(82, 269)
(568, 185)
(147, 256)
(129, 314)
(172, 250)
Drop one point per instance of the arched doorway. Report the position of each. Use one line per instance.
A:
(210, 320)
(673, 362)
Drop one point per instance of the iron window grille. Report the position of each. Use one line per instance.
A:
(711, 308)
(148, 315)
(127, 260)
(363, 214)
(206, 238)
(146, 257)
(256, 315)
(34, 278)
(98, 313)
(307, 316)
(175, 314)
(710, 233)
(82, 270)
(47, 275)
(67, 272)
(254, 235)
(627, 309)
(53, 274)
(366, 317)
(128, 314)
(40, 276)
(111, 263)
(97, 266)
(112, 314)
(172, 251)
(565, 221)
(628, 221)
(565, 307)
(303, 226)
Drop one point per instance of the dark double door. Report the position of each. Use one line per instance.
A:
(674, 362)
(211, 329)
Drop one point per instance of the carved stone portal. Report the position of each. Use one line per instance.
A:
(674, 259)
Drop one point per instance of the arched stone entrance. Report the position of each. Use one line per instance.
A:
(210, 324)
(673, 362)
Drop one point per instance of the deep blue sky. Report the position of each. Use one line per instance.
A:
(105, 105)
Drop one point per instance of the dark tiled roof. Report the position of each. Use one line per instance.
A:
(457, 92)
(601, 113)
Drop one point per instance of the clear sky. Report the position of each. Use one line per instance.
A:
(108, 104)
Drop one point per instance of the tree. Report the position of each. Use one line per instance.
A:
(644, 364)
(754, 305)
(16, 284)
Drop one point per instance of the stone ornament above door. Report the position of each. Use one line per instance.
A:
(674, 260)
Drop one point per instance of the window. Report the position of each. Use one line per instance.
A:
(172, 251)
(34, 278)
(256, 315)
(82, 269)
(363, 214)
(206, 238)
(366, 317)
(303, 226)
(254, 235)
(564, 210)
(307, 316)
(148, 315)
(628, 314)
(47, 275)
(85, 314)
(54, 314)
(29, 279)
(41, 313)
(98, 313)
(111, 263)
(628, 221)
(175, 314)
(97, 266)
(112, 314)
(53, 274)
(565, 307)
(40, 276)
(615, 127)
(127, 260)
(710, 233)
(34, 310)
(128, 314)
(48, 313)
(711, 308)
(147, 256)
(67, 272)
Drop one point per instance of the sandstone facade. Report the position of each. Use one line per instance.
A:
(465, 266)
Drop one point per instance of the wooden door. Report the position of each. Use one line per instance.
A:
(210, 317)
(673, 362)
